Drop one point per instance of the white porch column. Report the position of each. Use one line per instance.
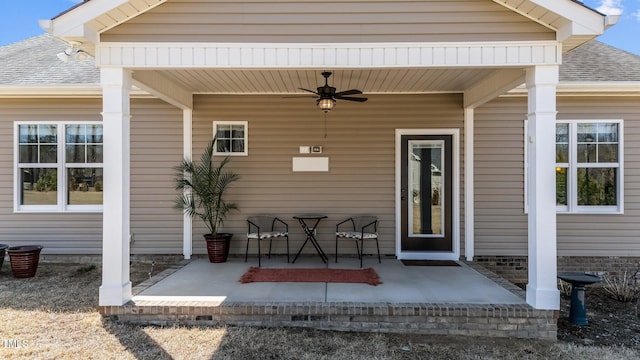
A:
(187, 141)
(469, 193)
(542, 289)
(116, 286)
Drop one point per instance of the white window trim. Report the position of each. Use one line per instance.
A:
(246, 137)
(61, 166)
(572, 206)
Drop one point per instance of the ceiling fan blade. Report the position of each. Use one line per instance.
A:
(311, 91)
(351, 98)
(349, 92)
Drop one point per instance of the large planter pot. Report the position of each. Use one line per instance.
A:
(3, 247)
(24, 260)
(218, 246)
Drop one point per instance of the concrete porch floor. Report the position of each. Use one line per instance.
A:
(462, 300)
(200, 280)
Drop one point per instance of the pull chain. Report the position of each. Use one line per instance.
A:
(325, 125)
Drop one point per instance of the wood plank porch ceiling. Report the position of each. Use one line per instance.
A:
(370, 81)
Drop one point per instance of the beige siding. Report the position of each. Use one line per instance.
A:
(319, 22)
(360, 144)
(157, 145)
(501, 225)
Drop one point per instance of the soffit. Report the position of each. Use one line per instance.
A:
(122, 13)
(372, 81)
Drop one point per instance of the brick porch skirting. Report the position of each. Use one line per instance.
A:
(515, 268)
(443, 319)
(492, 320)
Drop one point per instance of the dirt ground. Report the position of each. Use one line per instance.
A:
(43, 320)
(610, 322)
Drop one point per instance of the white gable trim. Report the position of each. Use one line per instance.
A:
(91, 18)
(579, 19)
(347, 55)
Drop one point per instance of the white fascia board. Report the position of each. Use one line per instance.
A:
(138, 55)
(58, 91)
(590, 88)
(55, 91)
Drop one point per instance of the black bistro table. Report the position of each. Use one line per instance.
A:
(309, 224)
(578, 281)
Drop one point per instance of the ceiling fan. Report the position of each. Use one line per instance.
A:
(328, 95)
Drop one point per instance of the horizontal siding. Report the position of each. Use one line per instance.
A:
(320, 22)
(360, 144)
(156, 147)
(501, 225)
(156, 225)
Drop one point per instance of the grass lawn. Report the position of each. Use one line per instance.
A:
(54, 316)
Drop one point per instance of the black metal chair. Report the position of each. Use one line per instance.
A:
(266, 227)
(358, 228)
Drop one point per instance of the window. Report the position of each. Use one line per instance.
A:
(58, 166)
(589, 167)
(231, 138)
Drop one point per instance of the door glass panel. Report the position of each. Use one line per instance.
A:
(426, 176)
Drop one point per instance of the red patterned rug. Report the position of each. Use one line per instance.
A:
(362, 276)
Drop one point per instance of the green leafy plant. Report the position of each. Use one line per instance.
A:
(202, 187)
(48, 181)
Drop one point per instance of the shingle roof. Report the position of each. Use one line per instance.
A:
(595, 61)
(34, 62)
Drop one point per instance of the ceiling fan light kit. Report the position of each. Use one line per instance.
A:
(326, 104)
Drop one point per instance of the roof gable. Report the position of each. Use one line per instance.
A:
(573, 22)
(274, 21)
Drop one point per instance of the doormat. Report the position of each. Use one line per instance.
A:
(430, 263)
(362, 276)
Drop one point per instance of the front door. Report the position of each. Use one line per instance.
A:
(426, 196)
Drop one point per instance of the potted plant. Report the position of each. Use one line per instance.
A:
(202, 187)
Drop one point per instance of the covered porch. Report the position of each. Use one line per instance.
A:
(436, 78)
(455, 300)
